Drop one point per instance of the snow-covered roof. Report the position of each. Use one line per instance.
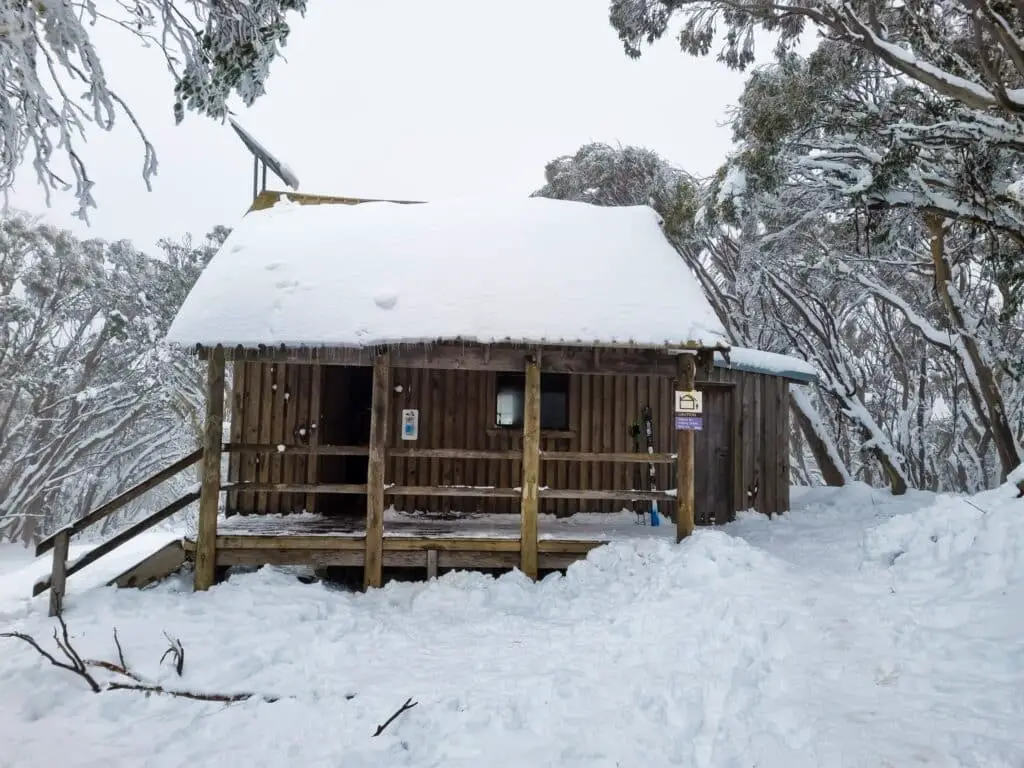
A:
(523, 270)
(772, 363)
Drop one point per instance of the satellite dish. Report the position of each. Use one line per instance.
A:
(262, 160)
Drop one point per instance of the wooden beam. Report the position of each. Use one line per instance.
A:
(450, 544)
(630, 458)
(289, 541)
(478, 357)
(373, 565)
(597, 495)
(685, 380)
(120, 500)
(298, 450)
(453, 490)
(355, 489)
(531, 468)
(209, 494)
(568, 546)
(454, 453)
(284, 556)
(59, 573)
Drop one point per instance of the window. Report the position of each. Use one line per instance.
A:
(554, 400)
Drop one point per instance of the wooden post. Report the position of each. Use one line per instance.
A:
(313, 463)
(686, 375)
(373, 562)
(531, 468)
(209, 491)
(431, 564)
(58, 576)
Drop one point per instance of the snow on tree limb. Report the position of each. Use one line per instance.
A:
(54, 87)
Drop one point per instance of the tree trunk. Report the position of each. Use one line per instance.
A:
(971, 356)
(825, 455)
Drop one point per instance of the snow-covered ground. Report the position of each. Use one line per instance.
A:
(860, 630)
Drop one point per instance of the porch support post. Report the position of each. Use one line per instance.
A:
(209, 491)
(58, 576)
(531, 467)
(373, 562)
(686, 374)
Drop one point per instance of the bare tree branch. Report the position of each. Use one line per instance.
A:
(80, 667)
(409, 704)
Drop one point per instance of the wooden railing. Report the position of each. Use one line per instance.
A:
(451, 490)
(60, 541)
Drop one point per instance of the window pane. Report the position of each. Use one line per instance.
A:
(509, 407)
(554, 410)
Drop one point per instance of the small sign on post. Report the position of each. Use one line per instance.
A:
(410, 424)
(689, 410)
(690, 423)
(689, 402)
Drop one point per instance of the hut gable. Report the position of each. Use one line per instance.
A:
(529, 270)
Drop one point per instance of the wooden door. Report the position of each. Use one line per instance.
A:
(713, 460)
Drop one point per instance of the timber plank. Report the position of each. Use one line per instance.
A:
(265, 423)
(248, 467)
(159, 565)
(586, 445)
(575, 424)
(531, 468)
(238, 394)
(209, 492)
(375, 475)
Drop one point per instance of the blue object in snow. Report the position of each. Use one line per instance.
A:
(655, 519)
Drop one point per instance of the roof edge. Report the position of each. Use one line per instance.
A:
(746, 359)
(268, 198)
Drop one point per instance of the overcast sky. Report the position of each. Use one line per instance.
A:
(401, 99)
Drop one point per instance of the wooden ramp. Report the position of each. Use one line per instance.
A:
(161, 564)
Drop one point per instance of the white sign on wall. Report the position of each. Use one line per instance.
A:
(410, 424)
(689, 402)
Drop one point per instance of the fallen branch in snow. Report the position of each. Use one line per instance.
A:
(79, 666)
(409, 704)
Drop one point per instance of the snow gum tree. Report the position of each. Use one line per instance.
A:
(54, 83)
(903, 131)
(89, 397)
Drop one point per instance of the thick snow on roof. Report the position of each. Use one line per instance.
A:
(523, 270)
(772, 363)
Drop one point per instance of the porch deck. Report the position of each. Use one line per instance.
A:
(420, 541)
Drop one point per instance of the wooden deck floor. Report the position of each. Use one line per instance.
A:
(416, 541)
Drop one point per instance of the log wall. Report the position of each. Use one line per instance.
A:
(742, 455)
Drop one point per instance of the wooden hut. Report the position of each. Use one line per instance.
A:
(457, 384)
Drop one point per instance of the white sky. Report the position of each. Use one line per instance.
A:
(401, 99)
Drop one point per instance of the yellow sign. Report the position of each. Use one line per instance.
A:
(689, 402)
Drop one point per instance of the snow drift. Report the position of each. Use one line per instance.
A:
(860, 629)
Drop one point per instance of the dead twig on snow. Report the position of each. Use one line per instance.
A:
(177, 653)
(80, 667)
(409, 704)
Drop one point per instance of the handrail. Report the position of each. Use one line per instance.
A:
(60, 541)
(117, 540)
(108, 508)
